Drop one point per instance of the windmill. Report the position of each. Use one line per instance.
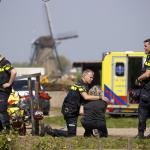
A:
(45, 50)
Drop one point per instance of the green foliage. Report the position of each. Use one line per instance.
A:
(6, 141)
(143, 144)
(78, 142)
(4, 144)
(98, 143)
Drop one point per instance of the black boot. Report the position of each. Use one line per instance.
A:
(47, 130)
(140, 135)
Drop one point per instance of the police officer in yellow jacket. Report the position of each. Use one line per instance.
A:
(144, 82)
(7, 76)
(71, 105)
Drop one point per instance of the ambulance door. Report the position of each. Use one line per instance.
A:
(119, 79)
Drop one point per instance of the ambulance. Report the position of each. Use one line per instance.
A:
(119, 72)
(116, 74)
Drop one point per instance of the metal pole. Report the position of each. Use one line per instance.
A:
(51, 34)
(32, 105)
(37, 88)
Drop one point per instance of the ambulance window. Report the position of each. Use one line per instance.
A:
(119, 69)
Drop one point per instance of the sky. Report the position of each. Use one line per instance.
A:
(101, 25)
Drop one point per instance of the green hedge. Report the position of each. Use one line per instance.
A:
(79, 142)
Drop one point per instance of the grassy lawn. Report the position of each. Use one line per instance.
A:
(112, 122)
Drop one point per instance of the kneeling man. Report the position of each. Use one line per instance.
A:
(94, 115)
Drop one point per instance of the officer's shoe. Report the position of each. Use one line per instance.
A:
(47, 130)
(139, 136)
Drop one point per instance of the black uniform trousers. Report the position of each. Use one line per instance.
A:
(4, 117)
(71, 123)
(143, 110)
(94, 124)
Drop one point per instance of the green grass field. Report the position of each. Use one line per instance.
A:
(112, 122)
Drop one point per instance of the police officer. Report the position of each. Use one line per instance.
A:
(7, 76)
(144, 81)
(71, 105)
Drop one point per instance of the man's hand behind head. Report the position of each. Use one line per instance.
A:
(96, 90)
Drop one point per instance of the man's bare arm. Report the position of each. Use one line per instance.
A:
(12, 78)
(93, 97)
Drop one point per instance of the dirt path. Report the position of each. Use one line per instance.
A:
(128, 132)
(125, 132)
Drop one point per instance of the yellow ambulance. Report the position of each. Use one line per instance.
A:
(116, 74)
(119, 71)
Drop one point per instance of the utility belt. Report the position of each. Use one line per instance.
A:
(7, 90)
(2, 89)
(69, 111)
